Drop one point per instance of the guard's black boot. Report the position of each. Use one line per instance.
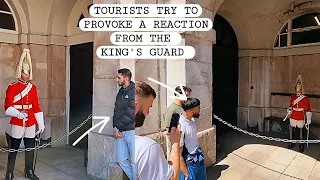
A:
(30, 175)
(9, 176)
(29, 158)
(301, 148)
(10, 168)
(290, 145)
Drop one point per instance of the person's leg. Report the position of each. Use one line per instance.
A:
(182, 177)
(201, 171)
(29, 158)
(130, 140)
(192, 170)
(301, 146)
(123, 155)
(13, 143)
(291, 129)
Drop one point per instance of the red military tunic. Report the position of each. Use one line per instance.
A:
(29, 94)
(298, 108)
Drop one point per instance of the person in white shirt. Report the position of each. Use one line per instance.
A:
(150, 161)
(192, 153)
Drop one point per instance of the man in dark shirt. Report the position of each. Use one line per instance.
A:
(123, 122)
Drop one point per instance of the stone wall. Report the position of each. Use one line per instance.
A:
(260, 76)
(285, 71)
(47, 62)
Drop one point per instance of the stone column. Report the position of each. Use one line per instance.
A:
(254, 87)
(176, 74)
(102, 146)
(155, 69)
(9, 57)
(56, 120)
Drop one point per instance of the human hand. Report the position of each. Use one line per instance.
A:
(41, 128)
(115, 133)
(22, 115)
(119, 134)
(175, 135)
(308, 121)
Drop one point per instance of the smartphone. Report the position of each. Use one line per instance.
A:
(174, 121)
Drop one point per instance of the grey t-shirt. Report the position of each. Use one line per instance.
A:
(189, 133)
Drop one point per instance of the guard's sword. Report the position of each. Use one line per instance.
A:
(307, 127)
(36, 155)
(24, 122)
(25, 118)
(285, 118)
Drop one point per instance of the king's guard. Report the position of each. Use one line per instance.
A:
(22, 105)
(299, 110)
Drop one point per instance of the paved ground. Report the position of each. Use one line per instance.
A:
(63, 163)
(241, 157)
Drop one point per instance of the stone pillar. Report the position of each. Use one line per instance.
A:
(244, 91)
(176, 74)
(8, 59)
(254, 88)
(56, 120)
(102, 162)
(155, 69)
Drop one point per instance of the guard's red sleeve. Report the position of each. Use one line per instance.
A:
(8, 102)
(291, 101)
(36, 104)
(307, 105)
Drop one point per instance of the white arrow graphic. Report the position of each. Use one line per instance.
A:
(182, 96)
(103, 122)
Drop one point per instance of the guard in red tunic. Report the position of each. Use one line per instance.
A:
(22, 105)
(299, 107)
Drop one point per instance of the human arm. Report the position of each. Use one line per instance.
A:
(289, 110)
(37, 111)
(174, 159)
(167, 118)
(8, 105)
(183, 166)
(308, 111)
(114, 119)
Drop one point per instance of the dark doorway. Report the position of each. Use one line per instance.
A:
(225, 75)
(81, 89)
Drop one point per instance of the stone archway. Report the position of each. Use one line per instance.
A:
(225, 74)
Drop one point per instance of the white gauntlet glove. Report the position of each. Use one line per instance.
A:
(40, 121)
(289, 110)
(309, 115)
(13, 112)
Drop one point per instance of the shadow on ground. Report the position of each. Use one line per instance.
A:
(240, 156)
